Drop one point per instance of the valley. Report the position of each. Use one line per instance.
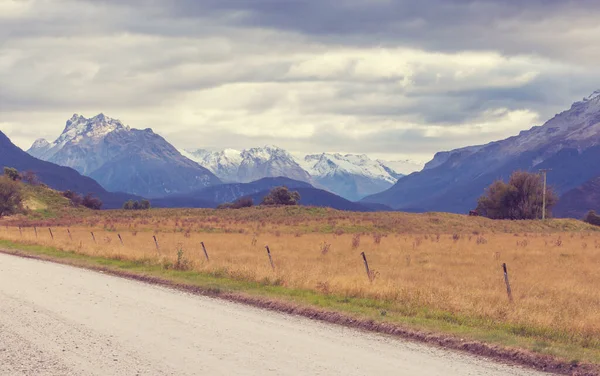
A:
(432, 272)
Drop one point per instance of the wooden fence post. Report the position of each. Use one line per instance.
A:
(69, 232)
(120, 239)
(93, 236)
(204, 249)
(156, 242)
(270, 258)
(20, 231)
(508, 290)
(367, 266)
(51, 234)
(35, 229)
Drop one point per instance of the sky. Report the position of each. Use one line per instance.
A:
(393, 79)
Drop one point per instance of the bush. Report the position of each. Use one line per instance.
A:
(281, 196)
(91, 202)
(75, 198)
(12, 173)
(521, 198)
(11, 199)
(135, 205)
(243, 202)
(30, 177)
(592, 218)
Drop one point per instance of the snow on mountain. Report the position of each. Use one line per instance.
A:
(225, 163)
(269, 161)
(123, 159)
(350, 176)
(320, 165)
(250, 164)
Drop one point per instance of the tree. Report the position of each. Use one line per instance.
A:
(242, 202)
(30, 177)
(145, 205)
(281, 196)
(75, 198)
(592, 218)
(11, 199)
(135, 205)
(91, 202)
(12, 173)
(520, 198)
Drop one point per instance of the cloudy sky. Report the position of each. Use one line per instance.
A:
(393, 79)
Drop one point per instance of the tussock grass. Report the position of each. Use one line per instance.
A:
(445, 274)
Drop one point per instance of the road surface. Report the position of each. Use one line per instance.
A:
(60, 320)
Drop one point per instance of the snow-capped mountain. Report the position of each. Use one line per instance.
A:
(225, 164)
(569, 144)
(124, 159)
(270, 161)
(250, 164)
(350, 176)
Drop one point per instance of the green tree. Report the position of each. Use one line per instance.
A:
(281, 196)
(91, 202)
(11, 199)
(520, 198)
(128, 205)
(592, 218)
(145, 205)
(12, 173)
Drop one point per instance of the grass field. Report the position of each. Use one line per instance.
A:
(437, 270)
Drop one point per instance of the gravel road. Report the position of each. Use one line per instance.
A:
(60, 320)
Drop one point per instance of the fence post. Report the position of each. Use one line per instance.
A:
(93, 236)
(156, 242)
(120, 238)
(204, 249)
(35, 229)
(69, 232)
(508, 290)
(20, 231)
(367, 266)
(51, 234)
(270, 258)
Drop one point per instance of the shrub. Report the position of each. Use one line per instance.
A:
(91, 202)
(592, 218)
(520, 198)
(75, 198)
(281, 196)
(243, 202)
(135, 205)
(11, 199)
(12, 173)
(30, 177)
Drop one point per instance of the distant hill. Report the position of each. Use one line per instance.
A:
(213, 196)
(57, 177)
(318, 197)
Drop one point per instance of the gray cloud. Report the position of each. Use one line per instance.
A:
(379, 76)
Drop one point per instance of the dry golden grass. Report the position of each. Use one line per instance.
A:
(554, 275)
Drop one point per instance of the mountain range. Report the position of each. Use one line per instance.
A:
(568, 145)
(121, 158)
(350, 176)
(141, 162)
